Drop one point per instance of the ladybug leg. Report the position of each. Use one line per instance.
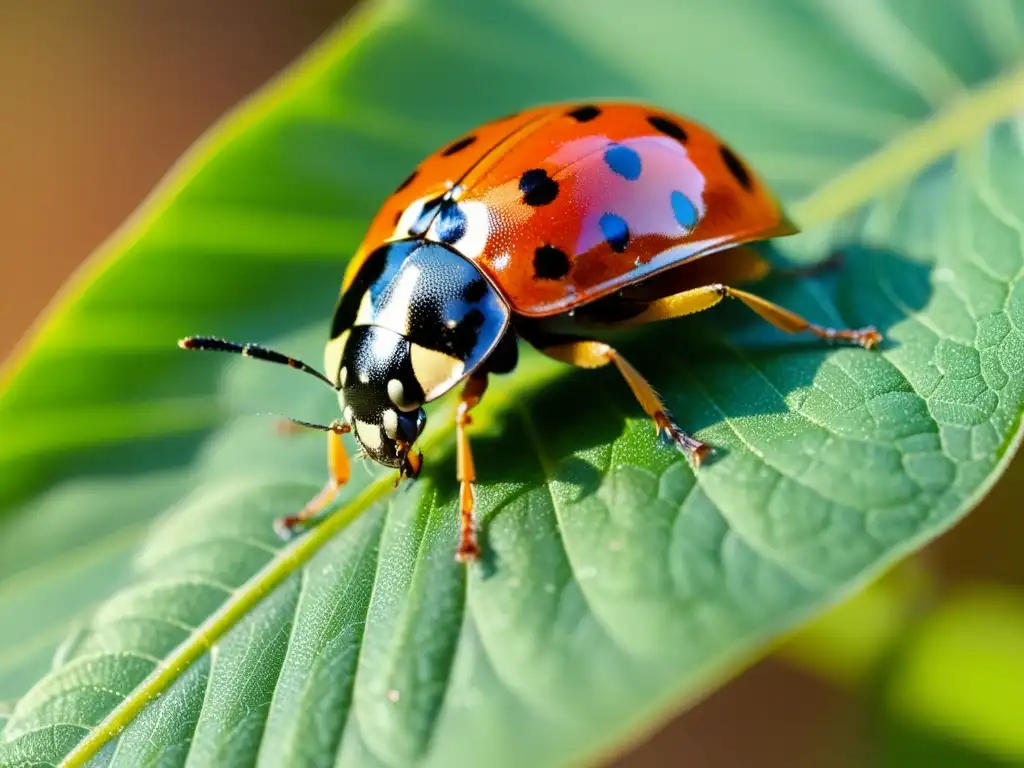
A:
(594, 354)
(705, 297)
(338, 474)
(472, 392)
(741, 265)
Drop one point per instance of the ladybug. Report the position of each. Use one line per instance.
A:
(552, 226)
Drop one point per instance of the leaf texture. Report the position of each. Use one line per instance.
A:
(151, 616)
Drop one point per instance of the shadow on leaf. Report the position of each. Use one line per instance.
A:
(722, 365)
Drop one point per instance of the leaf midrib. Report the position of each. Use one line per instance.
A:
(914, 150)
(898, 160)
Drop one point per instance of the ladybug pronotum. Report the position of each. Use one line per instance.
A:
(551, 226)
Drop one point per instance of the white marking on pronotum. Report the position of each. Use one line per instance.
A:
(394, 315)
(435, 371)
(369, 435)
(390, 420)
(333, 353)
(397, 394)
(343, 375)
(365, 314)
(347, 413)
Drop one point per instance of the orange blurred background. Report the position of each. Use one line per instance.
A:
(100, 97)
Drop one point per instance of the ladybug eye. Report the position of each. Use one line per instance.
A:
(403, 426)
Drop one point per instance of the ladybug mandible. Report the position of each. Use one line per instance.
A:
(551, 226)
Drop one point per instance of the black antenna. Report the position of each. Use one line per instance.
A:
(210, 344)
(338, 427)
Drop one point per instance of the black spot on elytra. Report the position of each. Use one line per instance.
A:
(458, 146)
(615, 231)
(407, 182)
(550, 263)
(473, 319)
(451, 222)
(736, 167)
(474, 291)
(461, 340)
(432, 328)
(585, 114)
(668, 127)
(458, 340)
(537, 187)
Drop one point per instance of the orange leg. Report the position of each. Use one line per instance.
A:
(472, 392)
(707, 296)
(741, 265)
(338, 474)
(594, 354)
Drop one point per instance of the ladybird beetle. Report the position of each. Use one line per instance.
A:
(551, 225)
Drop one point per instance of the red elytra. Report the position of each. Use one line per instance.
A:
(674, 186)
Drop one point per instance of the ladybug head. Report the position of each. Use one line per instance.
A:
(416, 319)
(380, 396)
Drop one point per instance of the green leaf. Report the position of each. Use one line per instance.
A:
(137, 496)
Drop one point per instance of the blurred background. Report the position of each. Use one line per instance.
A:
(100, 97)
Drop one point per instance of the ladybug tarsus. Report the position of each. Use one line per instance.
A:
(695, 451)
(869, 337)
(468, 551)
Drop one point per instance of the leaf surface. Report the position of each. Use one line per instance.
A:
(152, 617)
